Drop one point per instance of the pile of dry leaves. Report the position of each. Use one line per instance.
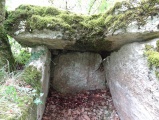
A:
(86, 105)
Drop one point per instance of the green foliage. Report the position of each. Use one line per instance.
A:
(11, 92)
(157, 44)
(38, 101)
(103, 6)
(157, 74)
(23, 57)
(32, 76)
(20, 54)
(154, 59)
(152, 55)
(51, 11)
(38, 22)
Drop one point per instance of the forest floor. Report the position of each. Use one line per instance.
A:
(86, 105)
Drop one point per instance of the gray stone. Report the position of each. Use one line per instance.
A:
(74, 72)
(105, 32)
(132, 84)
(52, 41)
(43, 65)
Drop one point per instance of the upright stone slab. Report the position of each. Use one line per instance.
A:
(133, 85)
(74, 72)
(42, 63)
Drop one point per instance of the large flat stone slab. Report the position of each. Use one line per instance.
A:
(124, 23)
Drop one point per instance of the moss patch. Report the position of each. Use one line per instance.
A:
(32, 76)
(153, 58)
(152, 55)
(51, 18)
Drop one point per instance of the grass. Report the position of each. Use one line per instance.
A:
(16, 96)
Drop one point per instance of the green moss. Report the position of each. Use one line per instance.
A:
(149, 47)
(32, 76)
(108, 20)
(157, 44)
(48, 17)
(38, 22)
(157, 74)
(152, 57)
(80, 27)
(51, 11)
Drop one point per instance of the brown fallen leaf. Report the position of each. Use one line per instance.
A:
(86, 117)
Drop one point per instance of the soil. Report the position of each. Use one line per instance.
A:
(86, 105)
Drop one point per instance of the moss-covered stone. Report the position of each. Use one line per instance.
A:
(153, 58)
(81, 28)
(48, 17)
(157, 44)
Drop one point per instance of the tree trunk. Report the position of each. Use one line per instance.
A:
(2, 11)
(5, 50)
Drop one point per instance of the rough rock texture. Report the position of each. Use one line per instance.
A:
(124, 23)
(133, 85)
(5, 50)
(42, 63)
(74, 72)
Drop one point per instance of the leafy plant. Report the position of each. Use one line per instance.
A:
(11, 93)
(38, 101)
(21, 54)
(23, 57)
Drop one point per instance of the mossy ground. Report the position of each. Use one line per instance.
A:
(14, 109)
(85, 29)
(18, 92)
